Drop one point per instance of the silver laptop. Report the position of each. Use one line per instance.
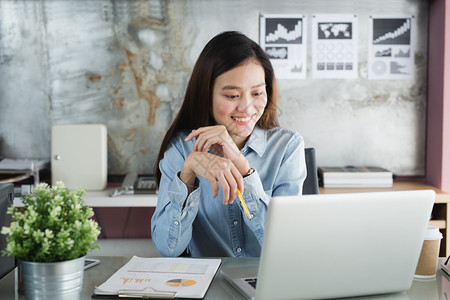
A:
(338, 245)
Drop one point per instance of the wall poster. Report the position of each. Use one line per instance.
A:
(334, 51)
(391, 51)
(283, 37)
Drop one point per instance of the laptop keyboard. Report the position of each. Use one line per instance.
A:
(251, 281)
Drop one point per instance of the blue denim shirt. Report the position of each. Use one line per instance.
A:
(205, 225)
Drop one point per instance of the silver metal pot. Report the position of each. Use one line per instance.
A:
(58, 280)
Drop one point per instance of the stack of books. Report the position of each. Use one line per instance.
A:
(354, 177)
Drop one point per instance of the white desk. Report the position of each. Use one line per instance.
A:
(102, 199)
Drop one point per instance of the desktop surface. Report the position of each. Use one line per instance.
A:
(436, 288)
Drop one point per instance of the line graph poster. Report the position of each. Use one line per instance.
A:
(334, 51)
(283, 37)
(391, 48)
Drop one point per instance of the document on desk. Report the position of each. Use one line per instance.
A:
(161, 277)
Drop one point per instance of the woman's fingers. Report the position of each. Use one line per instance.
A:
(201, 144)
(214, 187)
(217, 170)
(232, 185)
(225, 189)
(207, 137)
(194, 133)
(239, 179)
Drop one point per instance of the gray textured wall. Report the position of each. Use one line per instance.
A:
(126, 64)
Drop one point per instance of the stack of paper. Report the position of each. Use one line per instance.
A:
(161, 277)
(355, 177)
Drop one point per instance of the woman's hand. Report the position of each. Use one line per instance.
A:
(219, 141)
(214, 169)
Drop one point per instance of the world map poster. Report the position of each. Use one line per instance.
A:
(334, 46)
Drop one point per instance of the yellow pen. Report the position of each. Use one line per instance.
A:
(244, 206)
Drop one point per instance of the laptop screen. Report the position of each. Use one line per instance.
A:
(6, 200)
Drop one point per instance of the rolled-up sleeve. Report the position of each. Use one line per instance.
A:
(171, 223)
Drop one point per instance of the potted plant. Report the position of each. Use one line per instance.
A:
(50, 238)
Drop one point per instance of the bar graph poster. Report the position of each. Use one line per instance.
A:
(391, 51)
(283, 37)
(334, 46)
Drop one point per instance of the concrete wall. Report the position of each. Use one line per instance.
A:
(126, 64)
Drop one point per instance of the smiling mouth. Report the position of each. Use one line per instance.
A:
(242, 120)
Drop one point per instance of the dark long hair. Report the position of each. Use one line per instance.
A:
(221, 54)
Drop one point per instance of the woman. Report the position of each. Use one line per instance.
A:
(225, 137)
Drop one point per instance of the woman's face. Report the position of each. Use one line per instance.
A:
(239, 99)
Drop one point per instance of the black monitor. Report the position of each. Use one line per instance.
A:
(6, 200)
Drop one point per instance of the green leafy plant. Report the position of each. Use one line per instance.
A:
(54, 226)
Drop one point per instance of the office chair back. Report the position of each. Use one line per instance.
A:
(6, 200)
(311, 183)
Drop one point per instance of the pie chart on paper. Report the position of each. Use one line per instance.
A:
(180, 282)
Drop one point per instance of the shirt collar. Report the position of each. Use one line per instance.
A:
(257, 141)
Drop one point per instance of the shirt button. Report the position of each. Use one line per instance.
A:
(191, 204)
(176, 223)
(251, 216)
(238, 250)
(235, 222)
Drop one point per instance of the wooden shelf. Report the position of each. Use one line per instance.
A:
(441, 224)
(441, 197)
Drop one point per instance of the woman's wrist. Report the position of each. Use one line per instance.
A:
(242, 165)
(187, 176)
